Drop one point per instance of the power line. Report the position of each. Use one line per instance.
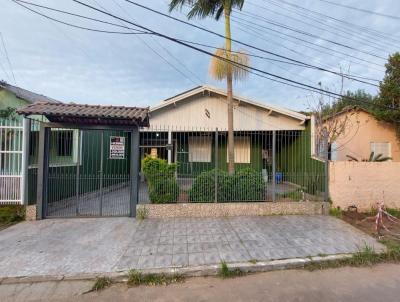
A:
(309, 35)
(253, 70)
(76, 15)
(335, 28)
(325, 16)
(302, 40)
(73, 25)
(217, 34)
(151, 48)
(8, 58)
(362, 10)
(262, 18)
(351, 77)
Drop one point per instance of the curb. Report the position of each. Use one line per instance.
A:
(191, 271)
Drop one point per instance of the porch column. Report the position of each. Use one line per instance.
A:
(169, 150)
(134, 171)
(43, 171)
(26, 129)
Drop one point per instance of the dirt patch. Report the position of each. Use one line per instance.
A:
(366, 223)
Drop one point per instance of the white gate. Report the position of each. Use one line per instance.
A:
(11, 151)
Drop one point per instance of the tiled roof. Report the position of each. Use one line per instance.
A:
(26, 95)
(88, 114)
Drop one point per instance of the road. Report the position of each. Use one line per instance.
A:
(378, 283)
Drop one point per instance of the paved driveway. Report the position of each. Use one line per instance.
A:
(99, 245)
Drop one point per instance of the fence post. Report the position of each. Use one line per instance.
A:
(326, 168)
(43, 171)
(273, 165)
(216, 166)
(26, 129)
(169, 150)
(134, 171)
(78, 164)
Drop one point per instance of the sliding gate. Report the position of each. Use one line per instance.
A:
(88, 173)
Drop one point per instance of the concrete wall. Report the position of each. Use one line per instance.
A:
(233, 209)
(362, 129)
(364, 183)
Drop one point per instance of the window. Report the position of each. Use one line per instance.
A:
(381, 148)
(64, 142)
(241, 150)
(200, 149)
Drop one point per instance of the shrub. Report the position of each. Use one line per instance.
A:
(203, 188)
(11, 213)
(244, 185)
(336, 212)
(161, 181)
(164, 190)
(248, 185)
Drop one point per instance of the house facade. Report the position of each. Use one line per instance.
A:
(364, 134)
(191, 129)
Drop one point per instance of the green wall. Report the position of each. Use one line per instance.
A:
(192, 169)
(62, 179)
(9, 100)
(295, 162)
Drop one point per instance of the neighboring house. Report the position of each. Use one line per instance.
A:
(183, 130)
(11, 139)
(364, 134)
(13, 97)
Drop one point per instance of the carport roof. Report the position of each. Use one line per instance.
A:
(88, 114)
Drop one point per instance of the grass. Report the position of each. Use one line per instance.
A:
(364, 257)
(136, 278)
(11, 214)
(336, 212)
(142, 213)
(253, 261)
(224, 271)
(101, 283)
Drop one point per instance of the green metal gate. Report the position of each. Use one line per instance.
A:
(88, 173)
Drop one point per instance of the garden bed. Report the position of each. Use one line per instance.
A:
(368, 225)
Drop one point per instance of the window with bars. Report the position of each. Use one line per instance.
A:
(64, 142)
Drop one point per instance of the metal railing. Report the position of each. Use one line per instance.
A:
(11, 149)
(190, 165)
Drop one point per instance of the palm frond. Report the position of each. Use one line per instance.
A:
(371, 156)
(220, 68)
(352, 158)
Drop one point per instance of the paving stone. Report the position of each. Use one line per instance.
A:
(180, 248)
(194, 247)
(180, 260)
(162, 261)
(146, 262)
(196, 259)
(165, 249)
(212, 258)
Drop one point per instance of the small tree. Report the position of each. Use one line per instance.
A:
(389, 93)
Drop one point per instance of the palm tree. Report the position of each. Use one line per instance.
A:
(221, 69)
(372, 158)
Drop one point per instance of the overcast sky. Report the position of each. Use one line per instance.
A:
(96, 68)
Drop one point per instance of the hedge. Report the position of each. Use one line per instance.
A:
(11, 213)
(244, 185)
(161, 181)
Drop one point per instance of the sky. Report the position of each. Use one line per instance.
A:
(74, 65)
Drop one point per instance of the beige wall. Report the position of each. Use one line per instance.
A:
(191, 113)
(362, 129)
(364, 183)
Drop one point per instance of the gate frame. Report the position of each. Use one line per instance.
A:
(43, 161)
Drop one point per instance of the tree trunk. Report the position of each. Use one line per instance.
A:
(229, 91)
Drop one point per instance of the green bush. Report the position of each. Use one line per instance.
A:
(248, 185)
(203, 188)
(161, 181)
(11, 213)
(164, 190)
(244, 185)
